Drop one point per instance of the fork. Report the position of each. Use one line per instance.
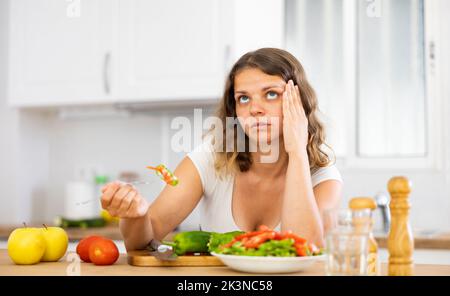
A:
(129, 183)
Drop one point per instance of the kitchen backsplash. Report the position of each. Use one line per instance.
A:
(51, 149)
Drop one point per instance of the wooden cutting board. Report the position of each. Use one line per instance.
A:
(143, 258)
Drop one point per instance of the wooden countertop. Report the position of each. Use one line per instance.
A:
(7, 267)
(439, 241)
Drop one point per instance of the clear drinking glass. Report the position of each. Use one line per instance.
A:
(346, 237)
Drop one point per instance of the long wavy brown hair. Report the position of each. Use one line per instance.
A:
(271, 61)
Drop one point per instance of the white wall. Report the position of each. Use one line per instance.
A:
(430, 196)
(445, 87)
(23, 150)
(114, 144)
(39, 152)
(7, 130)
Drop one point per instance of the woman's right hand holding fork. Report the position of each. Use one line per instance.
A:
(123, 200)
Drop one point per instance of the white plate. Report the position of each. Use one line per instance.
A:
(260, 264)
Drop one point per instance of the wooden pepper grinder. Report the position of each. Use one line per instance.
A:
(367, 203)
(400, 239)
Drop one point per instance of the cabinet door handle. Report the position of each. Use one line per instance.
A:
(106, 72)
(432, 57)
(227, 57)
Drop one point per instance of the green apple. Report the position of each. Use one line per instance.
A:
(26, 245)
(56, 241)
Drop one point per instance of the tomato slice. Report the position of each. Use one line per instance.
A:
(301, 249)
(256, 241)
(296, 238)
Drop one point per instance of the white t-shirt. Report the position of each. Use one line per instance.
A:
(216, 204)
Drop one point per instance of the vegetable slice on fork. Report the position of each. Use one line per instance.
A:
(165, 174)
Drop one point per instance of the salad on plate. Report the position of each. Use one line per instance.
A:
(265, 251)
(263, 242)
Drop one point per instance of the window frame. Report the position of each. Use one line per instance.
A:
(435, 104)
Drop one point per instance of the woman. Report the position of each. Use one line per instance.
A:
(238, 188)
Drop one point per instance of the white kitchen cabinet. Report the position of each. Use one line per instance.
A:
(128, 51)
(182, 50)
(58, 52)
(172, 49)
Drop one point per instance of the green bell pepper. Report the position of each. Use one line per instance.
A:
(191, 242)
